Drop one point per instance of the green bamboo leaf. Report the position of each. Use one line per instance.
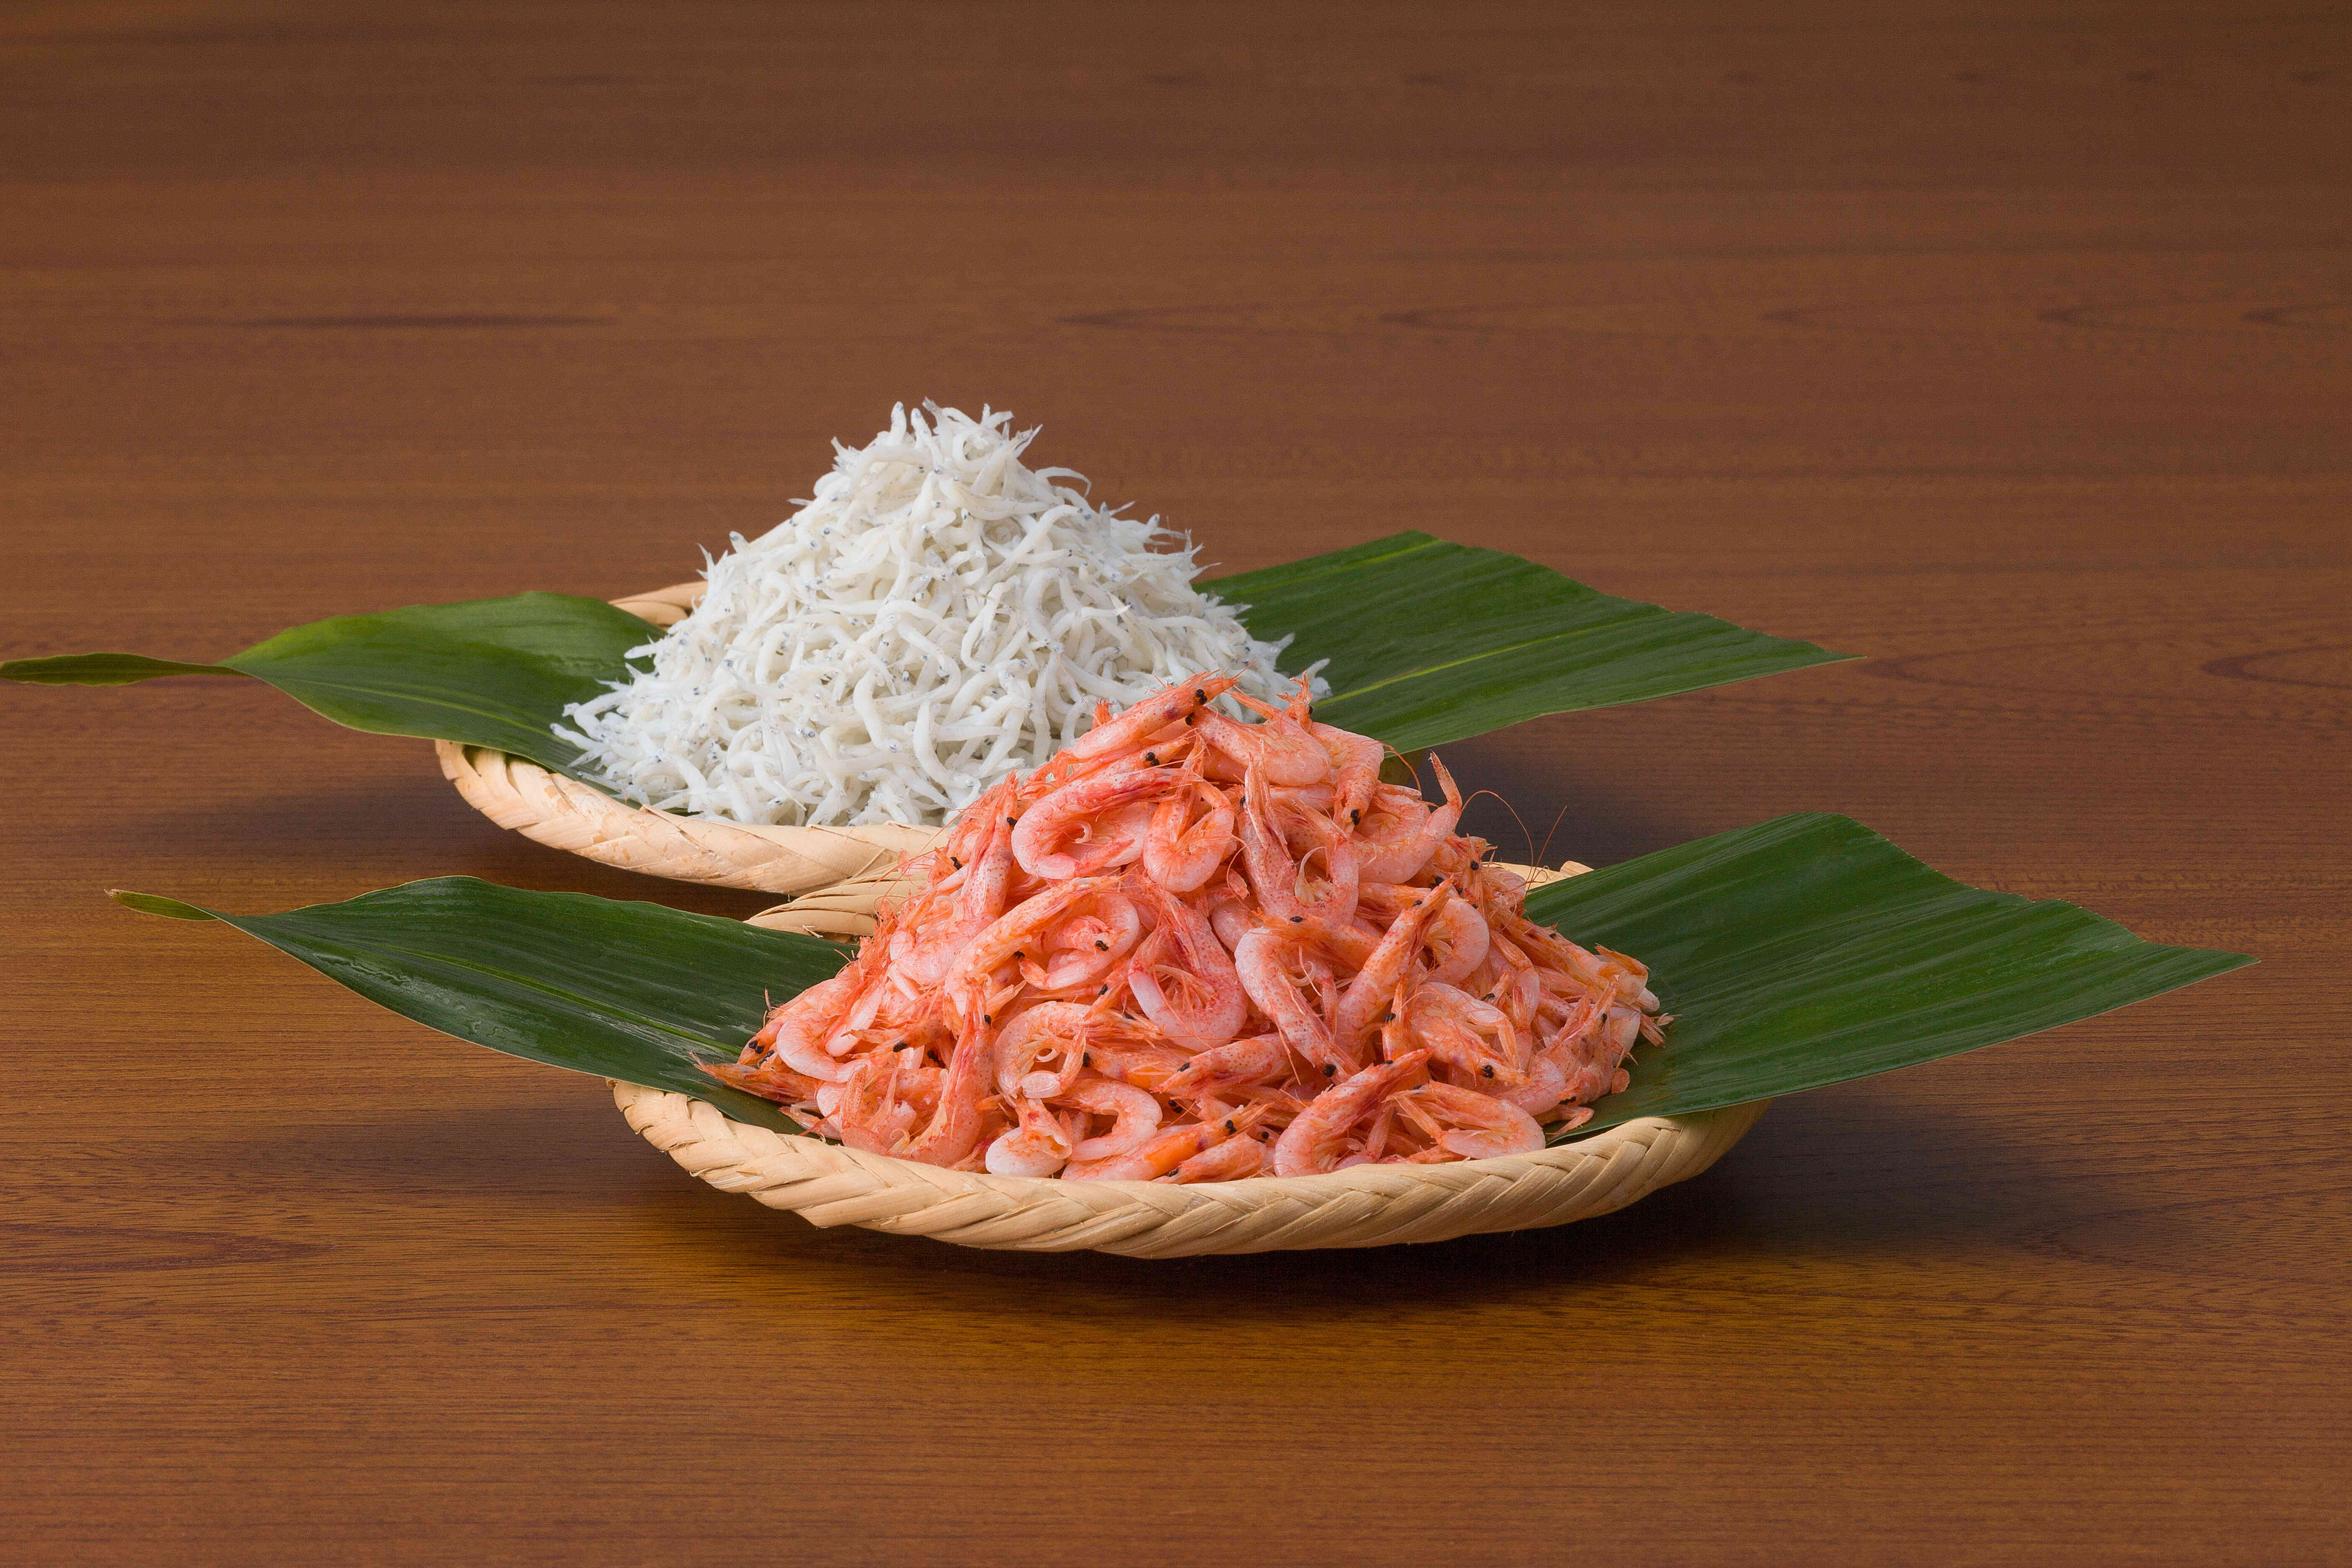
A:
(1808, 950)
(620, 989)
(1795, 953)
(1429, 642)
(487, 672)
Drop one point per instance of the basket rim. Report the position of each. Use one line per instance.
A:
(1368, 1205)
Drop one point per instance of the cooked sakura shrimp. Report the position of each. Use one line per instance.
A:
(1081, 807)
(1167, 1150)
(1057, 1029)
(1355, 769)
(1136, 1117)
(1006, 941)
(1171, 705)
(1403, 860)
(1368, 991)
(1188, 987)
(1229, 1161)
(1263, 963)
(955, 1125)
(1280, 748)
(979, 900)
(1472, 1125)
(1467, 1035)
(1312, 1141)
(1181, 859)
(1228, 1067)
(1038, 1147)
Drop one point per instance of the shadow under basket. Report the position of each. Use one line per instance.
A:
(1369, 1205)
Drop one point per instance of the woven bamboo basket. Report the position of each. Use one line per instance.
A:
(1370, 1205)
(567, 814)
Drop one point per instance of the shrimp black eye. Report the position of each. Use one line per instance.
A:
(1012, 822)
(1230, 1129)
(1487, 1071)
(1297, 919)
(1198, 694)
(1330, 1071)
(1152, 760)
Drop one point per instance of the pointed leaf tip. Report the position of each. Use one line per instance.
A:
(156, 904)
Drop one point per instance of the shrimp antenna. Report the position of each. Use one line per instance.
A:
(1546, 850)
(1514, 810)
(1410, 771)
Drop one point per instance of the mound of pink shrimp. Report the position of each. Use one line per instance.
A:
(1192, 949)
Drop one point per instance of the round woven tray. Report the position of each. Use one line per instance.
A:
(1370, 1205)
(566, 814)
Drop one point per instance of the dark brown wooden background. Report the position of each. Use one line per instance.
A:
(2006, 343)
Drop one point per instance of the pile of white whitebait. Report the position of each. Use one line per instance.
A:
(936, 617)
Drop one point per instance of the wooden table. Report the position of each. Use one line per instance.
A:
(2006, 345)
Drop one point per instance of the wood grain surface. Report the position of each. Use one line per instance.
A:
(2008, 344)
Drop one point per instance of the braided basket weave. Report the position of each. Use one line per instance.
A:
(1370, 1206)
(567, 814)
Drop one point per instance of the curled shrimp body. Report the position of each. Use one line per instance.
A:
(1469, 1124)
(1474, 1038)
(1181, 859)
(1187, 985)
(1055, 1031)
(1135, 1117)
(1280, 748)
(1401, 858)
(1458, 937)
(1085, 808)
(1264, 961)
(1313, 1142)
(1039, 1146)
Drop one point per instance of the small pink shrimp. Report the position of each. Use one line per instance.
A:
(1280, 748)
(1401, 858)
(1457, 937)
(1370, 990)
(1085, 947)
(1087, 807)
(1265, 960)
(979, 900)
(1187, 986)
(1181, 859)
(1472, 1037)
(1167, 1150)
(1472, 1125)
(1038, 1147)
(1229, 1161)
(955, 1126)
(1006, 941)
(1049, 1029)
(1135, 1117)
(1227, 1067)
(1171, 705)
(1313, 1140)
(1355, 769)
(1341, 877)
(796, 1032)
